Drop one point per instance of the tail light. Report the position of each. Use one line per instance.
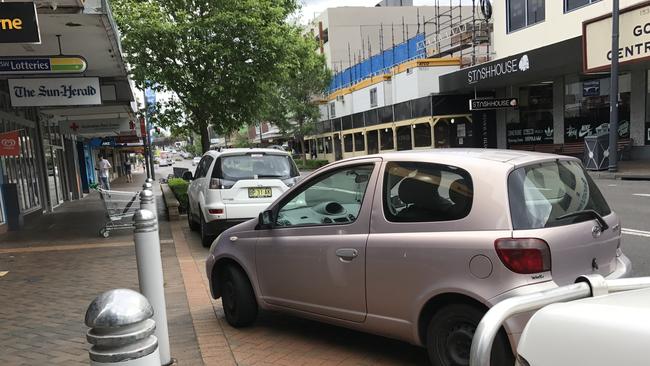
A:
(216, 183)
(216, 211)
(524, 256)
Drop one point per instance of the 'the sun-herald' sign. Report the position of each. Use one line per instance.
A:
(491, 103)
(54, 92)
(19, 23)
(634, 38)
(10, 143)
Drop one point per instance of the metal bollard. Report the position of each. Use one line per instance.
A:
(150, 275)
(149, 180)
(121, 330)
(147, 201)
(147, 186)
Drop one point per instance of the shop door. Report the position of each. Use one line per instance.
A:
(338, 153)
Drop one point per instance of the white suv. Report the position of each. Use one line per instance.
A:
(234, 185)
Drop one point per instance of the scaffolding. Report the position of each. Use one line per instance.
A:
(457, 31)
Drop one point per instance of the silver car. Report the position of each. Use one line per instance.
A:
(418, 245)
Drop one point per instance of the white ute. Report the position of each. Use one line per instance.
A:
(593, 322)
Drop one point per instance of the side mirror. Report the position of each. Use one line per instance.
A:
(265, 220)
(187, 175)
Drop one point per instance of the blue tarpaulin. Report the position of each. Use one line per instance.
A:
(380, 63)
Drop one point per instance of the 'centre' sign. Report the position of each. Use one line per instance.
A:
(54, 92)
(634, 38)
(19, 23)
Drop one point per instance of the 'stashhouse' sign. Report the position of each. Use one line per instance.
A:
(634, 38)
(19, 23)
(54, 92)
(491, 103)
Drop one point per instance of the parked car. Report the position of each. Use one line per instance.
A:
(602, 316)
(196, 160)
(166, 162)
(418, 245)
(235, 185)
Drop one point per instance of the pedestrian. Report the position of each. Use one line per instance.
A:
(103, 166)
(127, 170)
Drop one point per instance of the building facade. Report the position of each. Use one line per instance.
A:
(61, 135)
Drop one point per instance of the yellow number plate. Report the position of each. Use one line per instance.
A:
(260, 192)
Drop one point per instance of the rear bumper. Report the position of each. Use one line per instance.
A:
(516, 324)
(231, 211)
(216, 227)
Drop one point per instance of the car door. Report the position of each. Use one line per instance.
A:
(313, 259)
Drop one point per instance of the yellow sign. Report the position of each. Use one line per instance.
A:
(634, 38)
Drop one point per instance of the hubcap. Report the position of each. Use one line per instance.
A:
(459, 342)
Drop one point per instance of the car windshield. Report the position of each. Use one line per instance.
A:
(539, 194)
(256, 165)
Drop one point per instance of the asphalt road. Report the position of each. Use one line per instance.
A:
(629, 199)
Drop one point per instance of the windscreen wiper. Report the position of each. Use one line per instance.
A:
(593, 214)
(269, 176)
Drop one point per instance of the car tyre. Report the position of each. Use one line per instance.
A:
(206, 239)
(238, 298)
(194, 226)
(450, 333)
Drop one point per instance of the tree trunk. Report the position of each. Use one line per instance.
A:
(205, 139)
(304, 153)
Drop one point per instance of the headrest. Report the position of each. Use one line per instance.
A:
(413, 190)
(459, 192)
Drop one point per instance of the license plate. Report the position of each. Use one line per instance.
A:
(260, 192)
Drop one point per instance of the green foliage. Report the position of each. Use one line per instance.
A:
(311, 164)
(213, 54)
(179, 187)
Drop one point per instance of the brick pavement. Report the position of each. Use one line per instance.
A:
(57, 266)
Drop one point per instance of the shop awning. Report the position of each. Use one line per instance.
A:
(536, 65)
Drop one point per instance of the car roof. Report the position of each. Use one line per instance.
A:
(236, 151)
(460, 155)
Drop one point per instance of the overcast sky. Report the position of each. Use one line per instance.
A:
(311, 8)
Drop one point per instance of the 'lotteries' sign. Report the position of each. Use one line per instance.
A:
(54, 92)
(634, 38)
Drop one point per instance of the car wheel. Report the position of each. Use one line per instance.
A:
(206, 239)
(450, 333)
(190, 221)
(238, 298)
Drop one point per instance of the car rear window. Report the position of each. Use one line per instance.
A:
(255, 165)
(541, 193)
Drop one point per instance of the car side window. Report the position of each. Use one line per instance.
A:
(203, 167)
(425, 192)
(333, 198)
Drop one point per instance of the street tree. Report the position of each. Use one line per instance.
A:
(291, 102)
(212, 54)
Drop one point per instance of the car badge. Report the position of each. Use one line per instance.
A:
(594, 264)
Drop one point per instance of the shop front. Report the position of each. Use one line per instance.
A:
(558, 103)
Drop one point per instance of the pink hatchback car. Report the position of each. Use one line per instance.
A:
(418, 245)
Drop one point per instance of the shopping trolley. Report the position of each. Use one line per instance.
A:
(120, 207)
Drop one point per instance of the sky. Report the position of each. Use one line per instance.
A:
(311, 8)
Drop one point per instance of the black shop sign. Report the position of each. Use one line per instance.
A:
(525, 135)
(19, 23)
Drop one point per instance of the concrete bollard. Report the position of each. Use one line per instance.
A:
(121, 330)
(150, 275)
(147, 201)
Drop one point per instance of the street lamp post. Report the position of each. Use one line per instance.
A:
(613, 94)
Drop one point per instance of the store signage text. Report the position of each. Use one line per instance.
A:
(10, 143)
(54, 92)
(634, 38)
(502, 68)
(42, 65)
(486, 104)
(100, 127)
(18, 23)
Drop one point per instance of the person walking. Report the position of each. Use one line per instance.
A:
(127, 170)
(103, 166)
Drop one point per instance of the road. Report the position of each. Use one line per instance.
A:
(629, 199)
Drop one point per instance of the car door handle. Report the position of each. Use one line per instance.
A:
(347, 254)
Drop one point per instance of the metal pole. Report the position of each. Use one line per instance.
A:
(147, 201)
(121, 330)
(613, 94)
(150, 275)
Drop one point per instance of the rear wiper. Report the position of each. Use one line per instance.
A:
(269, 176)
(595, 215)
